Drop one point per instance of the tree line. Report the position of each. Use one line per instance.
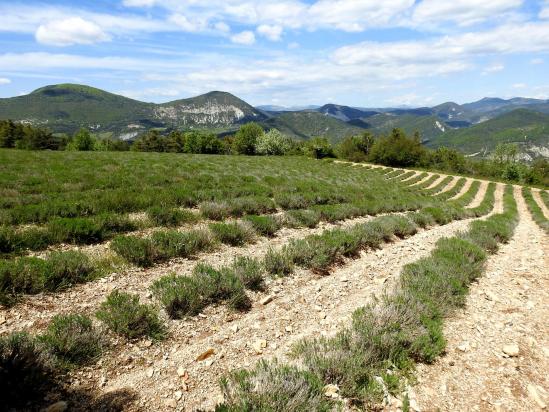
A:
(395, 149)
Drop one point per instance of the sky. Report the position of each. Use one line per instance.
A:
(363, 53)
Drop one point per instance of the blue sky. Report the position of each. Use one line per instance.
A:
(367, 53)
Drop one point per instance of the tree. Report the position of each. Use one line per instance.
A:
(356, 148)
(200, 142)
(82, 141)
(246, 138)
(506, 153)
(273, 143)
(319, 148)
(397, 150)
(152, 141)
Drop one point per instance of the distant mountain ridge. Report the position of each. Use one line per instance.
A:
(472, 127)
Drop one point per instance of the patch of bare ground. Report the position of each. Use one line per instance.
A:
(169, 375)
(450, 185)
(541, 203)
(416, 173)
(480, 194)
(463, 190)
(498, 345)
(436, 182)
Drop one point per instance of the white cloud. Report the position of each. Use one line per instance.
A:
(519, 86)
(272, 33)
(245, 37)
(530, 37)
(222, 27)
(4, 80)
(67, 32)
(461, 12)
(188, 25)
(537, 60)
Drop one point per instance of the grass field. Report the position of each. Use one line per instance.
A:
(117, 249)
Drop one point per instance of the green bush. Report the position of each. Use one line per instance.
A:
(72, 339)
(124, 315)
(172, 243)
(26, 373)
(67, 269)
(163, 216)
(75, 230)
(179, 295)
(278, 263)
(31, 275)
(249, 271)
(137, 250)
(273, 143)
(302, 218)
(263, 225)
(221, 285)
(319, 148)
(397, 150)
(233, 234)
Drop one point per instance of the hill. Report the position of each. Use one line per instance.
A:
(67, 107)
(306, 124)
(528, 128)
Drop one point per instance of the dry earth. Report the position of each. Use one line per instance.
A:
(498, 345)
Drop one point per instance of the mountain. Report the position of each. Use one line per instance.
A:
(528, 128)
(344, 113)
(306, 124)
(67, 107)
(429, 126)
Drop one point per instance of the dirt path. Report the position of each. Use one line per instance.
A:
(439, 179)
(480, 195)
(508, 306)
(463, 190)
(541, 203)
(267, 330)
(450, 185)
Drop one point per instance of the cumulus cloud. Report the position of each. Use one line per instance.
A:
(4, 80)
(272, 33)
(530, 37)
(67, 32)
(245, 37)
(544, 12)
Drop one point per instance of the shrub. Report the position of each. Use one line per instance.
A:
(72, 339)
(215, 210)
(179, 295)
(66, 269)
(263, 225)
(302, 218)
(137, 250)
(356, 148)
(171, 243)
(273, 387)
(221, 285)
(233, 234)
(292, 200)
(75, 230)
(8, 240)
(33, 275)
(278, 263)
(249, 271)
(124, 315)
(162, 216)
(250, 205)
(26, 372)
